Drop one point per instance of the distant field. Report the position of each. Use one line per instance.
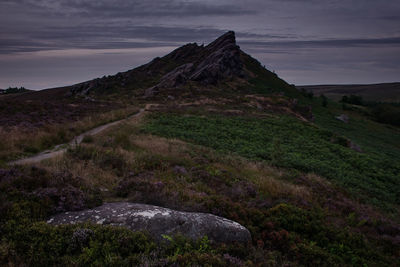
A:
(385, 92)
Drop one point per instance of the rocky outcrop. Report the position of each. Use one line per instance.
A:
(343, 117)
(223, 61)
(354, 146)
(175, 78)
(158, 221)
(206, 65)
(83, 89)
(218, 61)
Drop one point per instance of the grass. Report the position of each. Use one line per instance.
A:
(22, 142)
(289, 219)
(290, 143)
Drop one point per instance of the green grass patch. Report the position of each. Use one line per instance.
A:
(290, 143)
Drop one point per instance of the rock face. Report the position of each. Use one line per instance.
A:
(218, 61)
(223, 61)
(206, 65)
(158, 221)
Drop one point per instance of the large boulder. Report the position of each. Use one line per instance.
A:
(158, 221)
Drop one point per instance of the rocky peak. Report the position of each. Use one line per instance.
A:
(227, 39)
(218, 61)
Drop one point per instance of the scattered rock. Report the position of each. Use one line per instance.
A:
(354, 147)
(152, 91)
(158, 221)
(343, 117)
(180, 170)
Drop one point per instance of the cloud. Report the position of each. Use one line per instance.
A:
(326, 43)
(277, 32)
(136, 8)
(104, 36)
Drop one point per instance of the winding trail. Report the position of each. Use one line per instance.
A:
(62, 148)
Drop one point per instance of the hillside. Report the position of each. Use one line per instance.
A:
(383, 92)
(203, 158)
(209, 69)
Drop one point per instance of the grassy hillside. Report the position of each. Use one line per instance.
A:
(295, 217)
(286, 142)
(311, 189)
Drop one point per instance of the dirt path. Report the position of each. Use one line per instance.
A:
(61, 149)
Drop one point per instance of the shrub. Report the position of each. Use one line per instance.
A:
(352, 99)
(386, 113)
(324, 100)
(87, 139)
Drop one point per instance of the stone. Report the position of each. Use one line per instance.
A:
(180, 170)
(343, 117)
(220, 60)
(354, 147)
(158, 221)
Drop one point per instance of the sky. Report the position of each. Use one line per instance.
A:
(51, 43)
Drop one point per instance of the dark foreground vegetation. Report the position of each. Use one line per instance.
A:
(14, 90)
(295, 217)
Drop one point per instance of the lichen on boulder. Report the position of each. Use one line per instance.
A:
(158, 221)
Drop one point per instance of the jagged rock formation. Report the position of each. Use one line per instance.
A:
(218, 61)
(223, 61)
(158, 221)
(205, 65)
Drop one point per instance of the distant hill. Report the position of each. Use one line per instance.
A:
(383, 92)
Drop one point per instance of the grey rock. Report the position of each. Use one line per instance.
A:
(180, 170)
(343, 117)
(354, 147)
(176, 77)
(173, 79)
(152, 91)
(158, 221)
(220, 61)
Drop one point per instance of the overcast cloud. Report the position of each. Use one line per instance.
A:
(47, 43)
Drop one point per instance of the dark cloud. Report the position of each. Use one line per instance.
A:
(135, 8)
(294, 37)
(105, 37)
(327, 43)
